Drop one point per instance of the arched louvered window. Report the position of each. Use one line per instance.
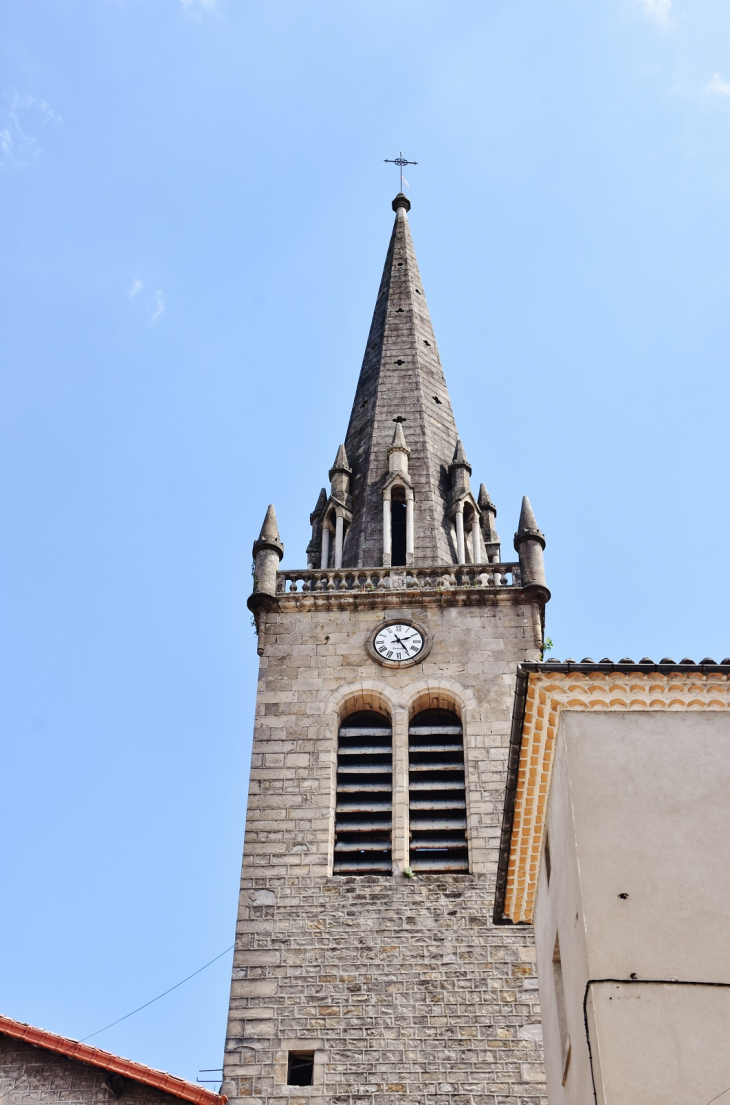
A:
(363, 818)
(437, 795)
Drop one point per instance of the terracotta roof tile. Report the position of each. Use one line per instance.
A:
(95, 1057)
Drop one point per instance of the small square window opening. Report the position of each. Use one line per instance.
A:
(301, 1068)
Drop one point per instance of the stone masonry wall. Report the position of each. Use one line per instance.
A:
(402, 987)
(34, 1076)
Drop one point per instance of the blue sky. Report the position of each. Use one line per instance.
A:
(195, 215)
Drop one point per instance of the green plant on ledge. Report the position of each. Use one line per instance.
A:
(547, 646)
(407, 873)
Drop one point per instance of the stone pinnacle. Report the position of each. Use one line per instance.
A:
(270, 530)
(340, 464)
(460, 460)
(269, 536)
(399, 438)
(528, 528)
(527, 518)
(484, 501)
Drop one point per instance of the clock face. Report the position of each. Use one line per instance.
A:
(398, 642)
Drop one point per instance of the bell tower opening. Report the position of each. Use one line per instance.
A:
(437, 794)
(363, 812)
(398, 528)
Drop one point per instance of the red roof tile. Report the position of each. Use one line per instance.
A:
(82, 1053)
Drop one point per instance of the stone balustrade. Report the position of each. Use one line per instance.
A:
(439, 578)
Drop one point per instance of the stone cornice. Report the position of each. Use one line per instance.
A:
(388, 600)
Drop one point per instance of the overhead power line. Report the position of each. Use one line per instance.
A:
(162, 995)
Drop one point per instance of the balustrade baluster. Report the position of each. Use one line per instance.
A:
(398, 579)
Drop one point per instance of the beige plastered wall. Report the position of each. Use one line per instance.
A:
(638, 829)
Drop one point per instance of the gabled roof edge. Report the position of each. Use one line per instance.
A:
(706, 667)
(508, 813)
(95, 1057)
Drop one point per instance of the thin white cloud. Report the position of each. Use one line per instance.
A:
(137, 286)
(718, 85)
(18, 147)
(659, 10)
(6, 144)
(159, 307)
(209, 4)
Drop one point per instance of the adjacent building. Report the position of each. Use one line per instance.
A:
(616, 848)
(38, 1068)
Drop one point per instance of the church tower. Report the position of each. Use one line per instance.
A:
(367, 967)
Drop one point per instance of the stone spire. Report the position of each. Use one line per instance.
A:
(401, 380)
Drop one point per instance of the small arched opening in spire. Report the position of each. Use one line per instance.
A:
(398, 527)
(466, 533)
(471, 531)
(334, 531)
(468, 519)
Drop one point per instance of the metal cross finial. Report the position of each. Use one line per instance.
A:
(400, 161)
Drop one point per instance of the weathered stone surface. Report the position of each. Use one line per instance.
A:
(400, 982)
